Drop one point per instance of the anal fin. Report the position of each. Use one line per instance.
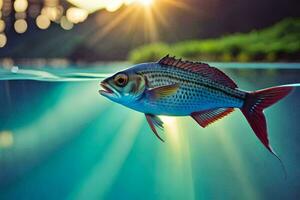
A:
(153, 122)
(204, 118)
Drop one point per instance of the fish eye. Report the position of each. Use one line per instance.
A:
(121, 80)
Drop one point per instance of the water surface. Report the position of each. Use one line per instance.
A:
(59, 139)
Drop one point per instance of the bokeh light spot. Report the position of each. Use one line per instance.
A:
(114, 5)
(66, 24)
(89, 5)
(2, 25)
(6, 139)
(3, 40)
(20, 5)
(76, 15)
(20, 26)
(43, 22)
(53, 13)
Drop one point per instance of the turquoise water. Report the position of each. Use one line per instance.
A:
(59, 139)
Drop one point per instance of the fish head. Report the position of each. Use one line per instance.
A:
(123, 87)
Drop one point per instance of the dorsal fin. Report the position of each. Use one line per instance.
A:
(203, 69)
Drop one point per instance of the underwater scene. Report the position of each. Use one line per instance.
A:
(60, 139)
(149, 100)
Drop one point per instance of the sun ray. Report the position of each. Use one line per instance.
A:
(179, 4)
(133, 21)
(104, 173)
(150, 28)
(160, 17)
(140, 18)
(139, 15)
(98, 35)
(236, 161)
(145, 3)
(174, 166)
(39, 138)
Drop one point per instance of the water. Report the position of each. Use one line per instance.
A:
(59, 139)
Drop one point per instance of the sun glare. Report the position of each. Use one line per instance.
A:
(149, 15)
(110, 5)
(145, 2)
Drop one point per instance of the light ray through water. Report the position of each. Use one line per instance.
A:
(102, 176)
(174, 171)
(235, 159)
(38, 139)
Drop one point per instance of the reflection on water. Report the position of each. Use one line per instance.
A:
(59, 139)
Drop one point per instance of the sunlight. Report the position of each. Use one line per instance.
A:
(174, 170)
(104, 173)
(89, 5)
(110, 5)
(171, 128)
(179, 156)
(150, 25)
(136, 14)
(114, 5)
(56, 126)
(146, 2)
(236, 161)
(98, 35)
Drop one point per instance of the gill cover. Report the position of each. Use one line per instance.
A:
(136, 85)
(124, 87)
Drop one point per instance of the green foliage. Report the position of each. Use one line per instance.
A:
(148, 53)
(279, 42)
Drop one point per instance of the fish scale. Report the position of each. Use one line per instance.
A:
(195, 92)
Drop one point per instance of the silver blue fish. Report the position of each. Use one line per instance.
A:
(174, 87)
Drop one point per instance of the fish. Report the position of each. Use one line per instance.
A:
(175, 87)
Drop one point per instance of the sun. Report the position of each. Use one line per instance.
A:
(143, 17)
(146, 2)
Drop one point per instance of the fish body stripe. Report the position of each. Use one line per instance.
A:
(211, 85)
(156, 77)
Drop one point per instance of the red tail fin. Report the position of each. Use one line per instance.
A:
(253, 108)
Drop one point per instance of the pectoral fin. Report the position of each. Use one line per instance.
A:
(153, 122)
(163, 91)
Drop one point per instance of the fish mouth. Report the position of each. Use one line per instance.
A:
(107, 90)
